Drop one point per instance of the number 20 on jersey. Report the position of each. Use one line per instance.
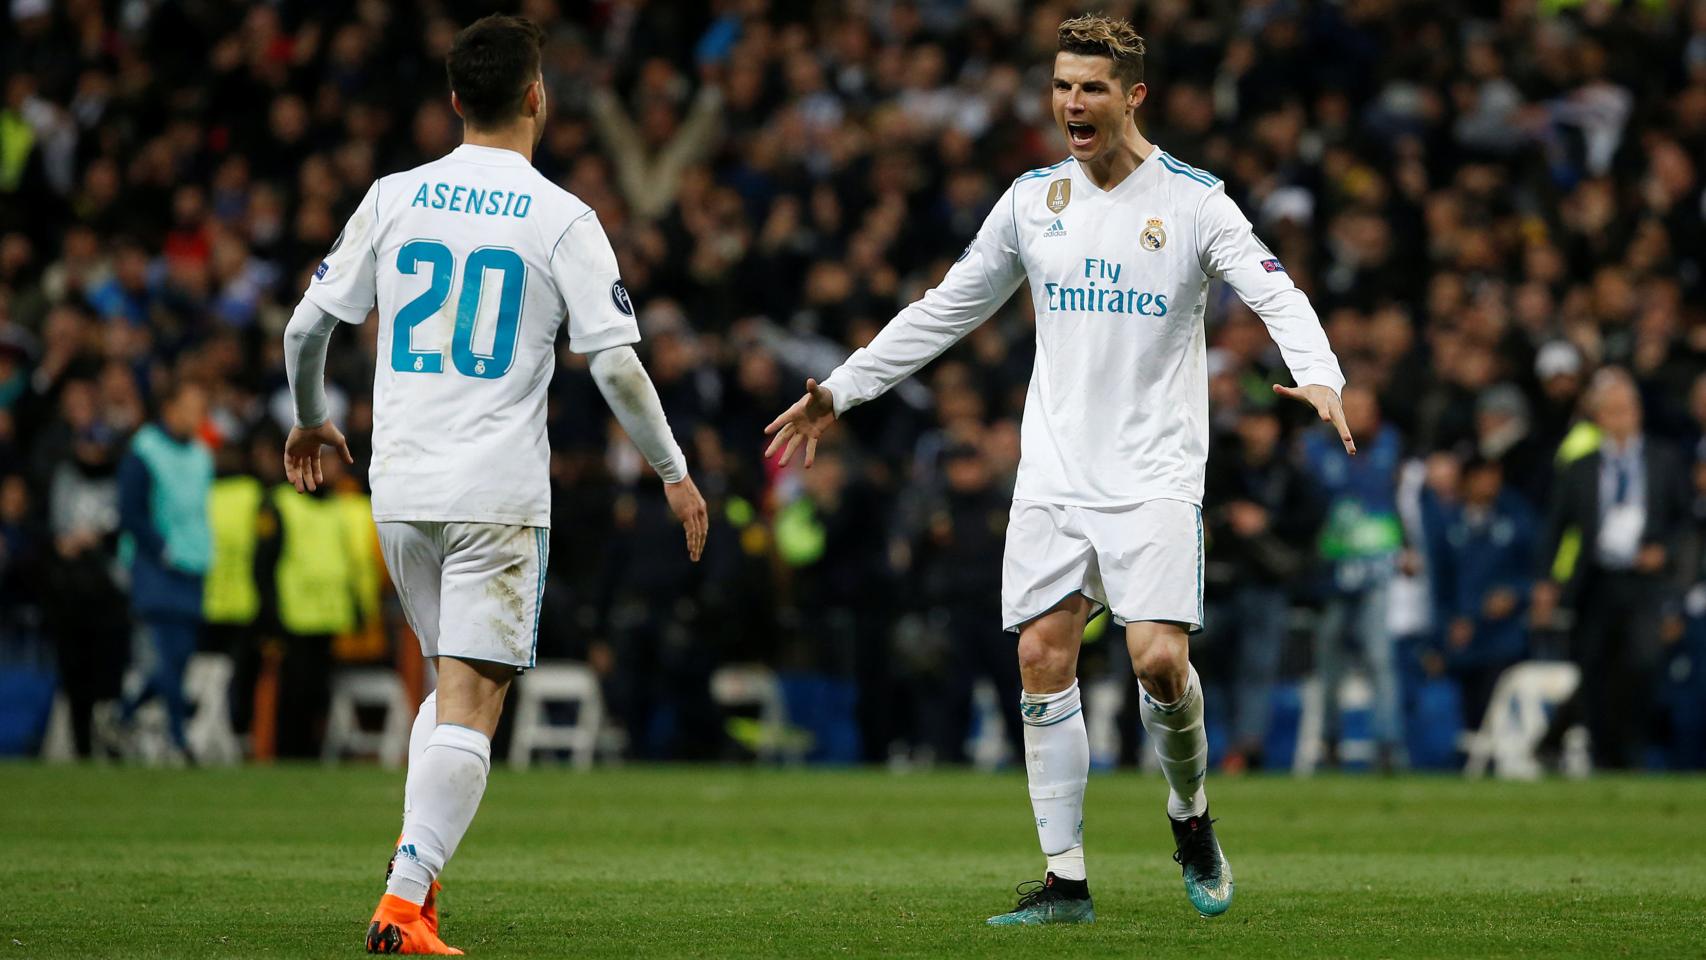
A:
(511, 273)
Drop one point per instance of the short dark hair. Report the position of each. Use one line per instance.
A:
(490, 65)
(1098, 36)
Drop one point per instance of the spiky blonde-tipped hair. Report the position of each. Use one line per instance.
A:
(1098, 36)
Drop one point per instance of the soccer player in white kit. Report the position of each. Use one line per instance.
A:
(473, 261)
(1119, 242)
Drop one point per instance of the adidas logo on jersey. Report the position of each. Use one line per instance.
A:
(1056, 229)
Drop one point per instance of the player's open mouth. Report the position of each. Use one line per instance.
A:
(1081, 134)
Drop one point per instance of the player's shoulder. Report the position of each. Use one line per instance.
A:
(1039, 178)
(562, 206)
(560, 210)
(1185, 182)
(394, 191)
(1174, 167)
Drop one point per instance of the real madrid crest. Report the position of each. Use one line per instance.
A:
(1153, 237)
(1059, 195)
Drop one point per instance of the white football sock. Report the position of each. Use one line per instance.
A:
(444, 791)
(1068, 865)
(1057, 761)
(426, 720)
(1182, 744)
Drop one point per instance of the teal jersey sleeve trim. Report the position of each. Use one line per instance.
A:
(1174, 165)
(1041, 171)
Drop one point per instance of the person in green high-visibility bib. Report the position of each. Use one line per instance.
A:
(1360, 547)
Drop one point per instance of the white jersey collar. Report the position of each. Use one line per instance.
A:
(491, 156)
(1153, 160)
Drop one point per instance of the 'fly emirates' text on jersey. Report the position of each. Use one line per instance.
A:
(474, 259)
(1117, 411)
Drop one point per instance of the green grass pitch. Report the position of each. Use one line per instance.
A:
(730, 862)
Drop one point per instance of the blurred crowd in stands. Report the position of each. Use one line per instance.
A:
(1496, 207)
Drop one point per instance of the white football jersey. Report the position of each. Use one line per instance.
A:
(1117, 411)
(473, 260)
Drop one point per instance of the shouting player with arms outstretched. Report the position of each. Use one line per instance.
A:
(473, 259)
(1119, 242)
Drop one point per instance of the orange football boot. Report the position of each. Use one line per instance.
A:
(429, 910)
(398, 927)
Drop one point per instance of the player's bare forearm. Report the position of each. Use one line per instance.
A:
(805, 421)
(1325, 401)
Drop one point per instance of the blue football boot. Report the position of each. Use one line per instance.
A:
(1049, 901)
(1208, 877)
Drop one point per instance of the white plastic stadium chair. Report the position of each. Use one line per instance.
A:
(356, 688)
(1355, 693)
(750, 685)
(59, 745)
(988, 749)
(207, 687)
(1104, 701)
(1516, 718)
(557, 683)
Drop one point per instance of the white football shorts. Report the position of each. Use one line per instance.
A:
(470, 590)
(1142, 561)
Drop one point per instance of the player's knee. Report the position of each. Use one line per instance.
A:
(471, 693)
(1044, 666)
(1160, 656)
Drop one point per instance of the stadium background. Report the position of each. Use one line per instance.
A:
(1487, 202)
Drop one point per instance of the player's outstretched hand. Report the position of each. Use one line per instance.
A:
(689, 507)
(302, 454)
(1327, 407)
(806, 420)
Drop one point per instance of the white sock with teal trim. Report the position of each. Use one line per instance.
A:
(1057, 762)
(444, 792)
(426, 720)
(1180, 741)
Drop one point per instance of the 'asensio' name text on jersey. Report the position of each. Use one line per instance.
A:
(1117, 411)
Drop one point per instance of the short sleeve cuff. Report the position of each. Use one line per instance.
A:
(347, 312)
(605, 339)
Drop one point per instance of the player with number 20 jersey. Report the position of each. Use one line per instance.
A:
(474, 258)
(471, 265)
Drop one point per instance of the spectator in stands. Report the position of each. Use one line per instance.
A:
(307, 577)
(1609, 547)
(1504, 433)
(163, 484)
(85, 610)
(232, 603)
(1360, 544)
(1261, 516)
(1480, 576)
(961, 594)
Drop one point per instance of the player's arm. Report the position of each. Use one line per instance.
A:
(306, 338)
(1231, 250)
(975, 286)
(343, 288)
(632, 397)
(601, 326)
